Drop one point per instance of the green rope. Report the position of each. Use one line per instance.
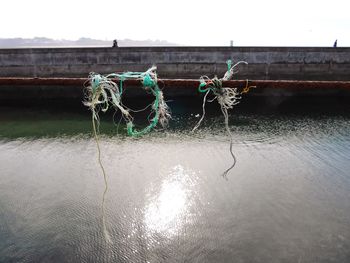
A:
(130, 126)
(95, 82)
(201, 86)
(105, 91)
(226, 97)
(229, 64)
(102, 91)
(213, 85)
(148, 81)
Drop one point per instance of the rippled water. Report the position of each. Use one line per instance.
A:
(286, 200)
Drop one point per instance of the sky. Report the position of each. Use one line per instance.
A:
(185, 22)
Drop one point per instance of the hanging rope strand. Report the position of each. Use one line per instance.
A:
(225, 96)
(103, 92)
(104, 227)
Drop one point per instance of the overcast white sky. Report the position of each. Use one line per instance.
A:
(186, 22)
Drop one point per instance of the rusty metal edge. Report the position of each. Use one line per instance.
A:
(184, 83)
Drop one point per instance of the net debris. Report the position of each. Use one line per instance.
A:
(225, 96)
(103, 92)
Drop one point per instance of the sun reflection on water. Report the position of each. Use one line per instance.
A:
(167, 210)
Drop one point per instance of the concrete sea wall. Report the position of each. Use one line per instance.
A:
(299, 63)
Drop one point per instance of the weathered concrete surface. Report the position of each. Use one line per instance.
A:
(265, 63)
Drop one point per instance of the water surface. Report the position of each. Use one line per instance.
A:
(286, 200)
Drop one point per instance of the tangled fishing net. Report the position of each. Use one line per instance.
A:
(103, 92)
(225, 96)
